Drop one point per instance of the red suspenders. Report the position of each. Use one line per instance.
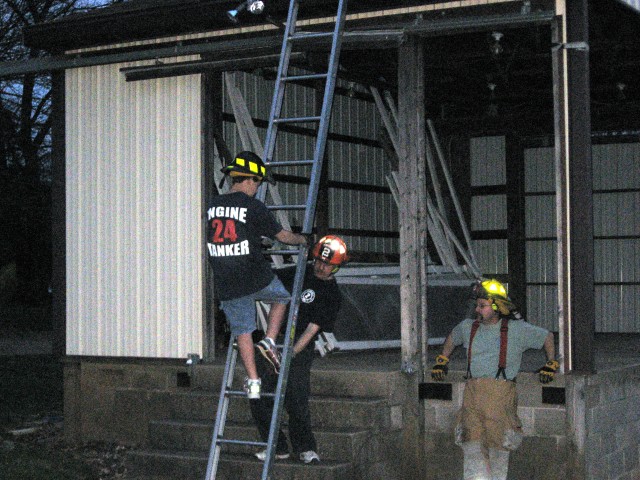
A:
(502, 362)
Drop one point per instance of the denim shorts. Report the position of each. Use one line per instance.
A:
(241, 312)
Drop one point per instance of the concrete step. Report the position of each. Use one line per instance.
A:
(329, 412)
(324, 381)
(346, 444)
(171, 464)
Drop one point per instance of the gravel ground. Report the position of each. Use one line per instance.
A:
(44, 438)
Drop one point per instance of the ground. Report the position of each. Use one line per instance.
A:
(32, 446)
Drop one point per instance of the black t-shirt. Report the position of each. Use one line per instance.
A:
(236, 224)
(320, 300)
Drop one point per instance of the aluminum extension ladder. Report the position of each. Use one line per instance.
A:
(291, 36)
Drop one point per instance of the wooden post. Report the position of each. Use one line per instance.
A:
(211, 128)
(574, 186)
(574, 207)
(413, 243)
(58, 216)
(412, 206)
(516, 222)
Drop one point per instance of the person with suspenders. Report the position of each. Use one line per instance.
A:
(488, 426)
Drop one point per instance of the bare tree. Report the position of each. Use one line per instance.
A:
(25, 146)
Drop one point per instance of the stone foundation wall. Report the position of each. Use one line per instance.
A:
(612, 424)
(93, 411)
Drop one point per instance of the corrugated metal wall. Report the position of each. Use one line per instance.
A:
(356, 163)
(134, 229)
(540, 233)
(489, 212)
(616, 184)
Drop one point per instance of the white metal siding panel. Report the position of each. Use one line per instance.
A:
(134, 233)
(539, 170)
(542, 306)
(542, 262)
(489, 212)
(491, 255)
(616, 166)
(540, 218)
(488, 161)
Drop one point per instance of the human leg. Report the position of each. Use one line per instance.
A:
(247, 354)
(499, 463)
(475, 466)
(261, 410)
(241, 314)
(278, 297)
(470, 434)
(297, 404)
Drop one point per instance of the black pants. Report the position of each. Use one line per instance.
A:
(296, 403)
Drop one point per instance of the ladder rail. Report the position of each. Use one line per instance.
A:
(281, 387)
(221, 413)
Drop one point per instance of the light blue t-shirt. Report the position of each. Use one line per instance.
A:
(485, 350)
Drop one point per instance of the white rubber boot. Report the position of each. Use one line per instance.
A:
(475, 463)
(499, 463)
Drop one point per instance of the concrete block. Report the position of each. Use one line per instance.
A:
(166, 435)
(430, 415)
(526, 415)
(594, 452)
(626, 434)
(128, 418)
(599, 421)
(612, 390)
(151, 378)
(633, 409)
(592, 396)
(549, 421)
(615, 464)
(631, 459)
(396, 420)
(446, 417)
(538, 458)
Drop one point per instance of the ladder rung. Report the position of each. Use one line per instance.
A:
(312, 76)
(305, 35)
(284, 251)
(287, 207)
(297, 119)
(290, 163)
(242, 393)
(232, 441)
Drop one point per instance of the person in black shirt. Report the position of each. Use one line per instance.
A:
(236, 223)
(319, 304)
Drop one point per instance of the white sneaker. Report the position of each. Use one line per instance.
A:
(262, 456)
(309, 457)
(252, 388)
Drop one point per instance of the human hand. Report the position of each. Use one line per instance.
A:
(547, 372)
(440, 369)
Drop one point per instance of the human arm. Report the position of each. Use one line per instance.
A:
(441, 368)
(304, 339)
(291, 238)
(547, 372)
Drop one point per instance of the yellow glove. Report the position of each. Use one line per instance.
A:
(440, 369)
(547, 372)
